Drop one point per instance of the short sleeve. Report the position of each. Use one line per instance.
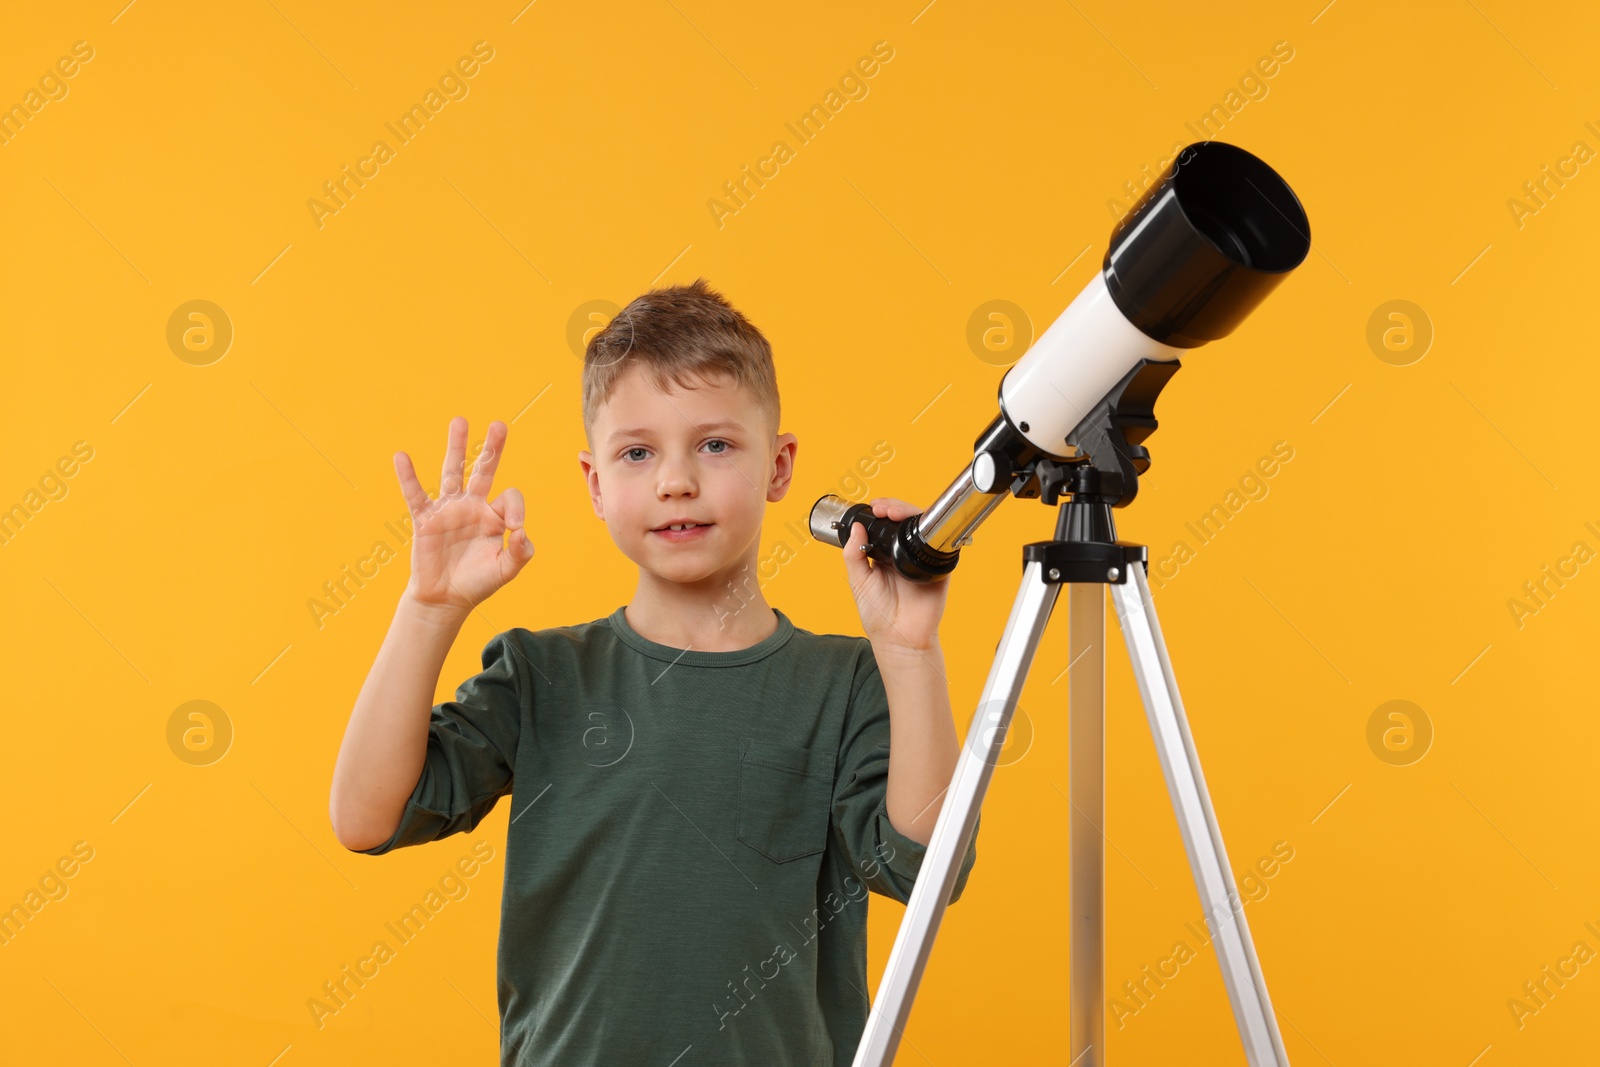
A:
(860, 814)
(472, 749)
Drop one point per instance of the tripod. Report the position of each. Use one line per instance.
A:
(1085, 555)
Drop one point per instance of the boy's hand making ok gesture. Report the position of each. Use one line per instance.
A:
(459, 552)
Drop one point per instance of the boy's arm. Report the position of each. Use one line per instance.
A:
(464, 547)
(892, 794)
(879, 853)
(901, 619)
(924, 749)
(386, 740)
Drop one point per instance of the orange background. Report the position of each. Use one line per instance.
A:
(177, 563)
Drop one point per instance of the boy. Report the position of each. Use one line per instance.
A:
(702, 793)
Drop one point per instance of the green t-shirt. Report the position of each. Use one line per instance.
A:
(692, 840)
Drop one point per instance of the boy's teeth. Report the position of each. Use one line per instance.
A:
(686, 526)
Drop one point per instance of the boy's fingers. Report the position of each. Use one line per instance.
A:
(416, 496)
(855, 560)
(516, 554)
(510, 507)
(455, 455)
(892, 508)
(520, 546)
(483, 467)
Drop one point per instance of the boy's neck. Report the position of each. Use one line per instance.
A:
(725, 612)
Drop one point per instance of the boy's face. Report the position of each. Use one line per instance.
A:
(705, 454)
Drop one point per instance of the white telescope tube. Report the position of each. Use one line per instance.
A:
(1072, 365)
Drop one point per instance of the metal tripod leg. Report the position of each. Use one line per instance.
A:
(1197, 822)
(1086, 785)
(957, 819)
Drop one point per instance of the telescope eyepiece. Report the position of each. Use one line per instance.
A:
(895, 543)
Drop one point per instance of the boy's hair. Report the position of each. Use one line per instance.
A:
(679, 333)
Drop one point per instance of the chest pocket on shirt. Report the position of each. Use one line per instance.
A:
(783, 807)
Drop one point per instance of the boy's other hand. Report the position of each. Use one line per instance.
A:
(459, 551)
(895, 611)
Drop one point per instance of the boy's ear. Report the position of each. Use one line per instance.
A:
(784, 448)
(591, 478)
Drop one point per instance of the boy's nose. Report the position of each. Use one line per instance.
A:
(676, 478)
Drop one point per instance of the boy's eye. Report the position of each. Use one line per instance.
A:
(628, 454)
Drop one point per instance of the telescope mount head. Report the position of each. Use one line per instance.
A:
(1107, 446)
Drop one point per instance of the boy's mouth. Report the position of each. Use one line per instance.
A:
(683, 531)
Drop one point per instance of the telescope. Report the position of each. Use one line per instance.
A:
(1199, 251)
